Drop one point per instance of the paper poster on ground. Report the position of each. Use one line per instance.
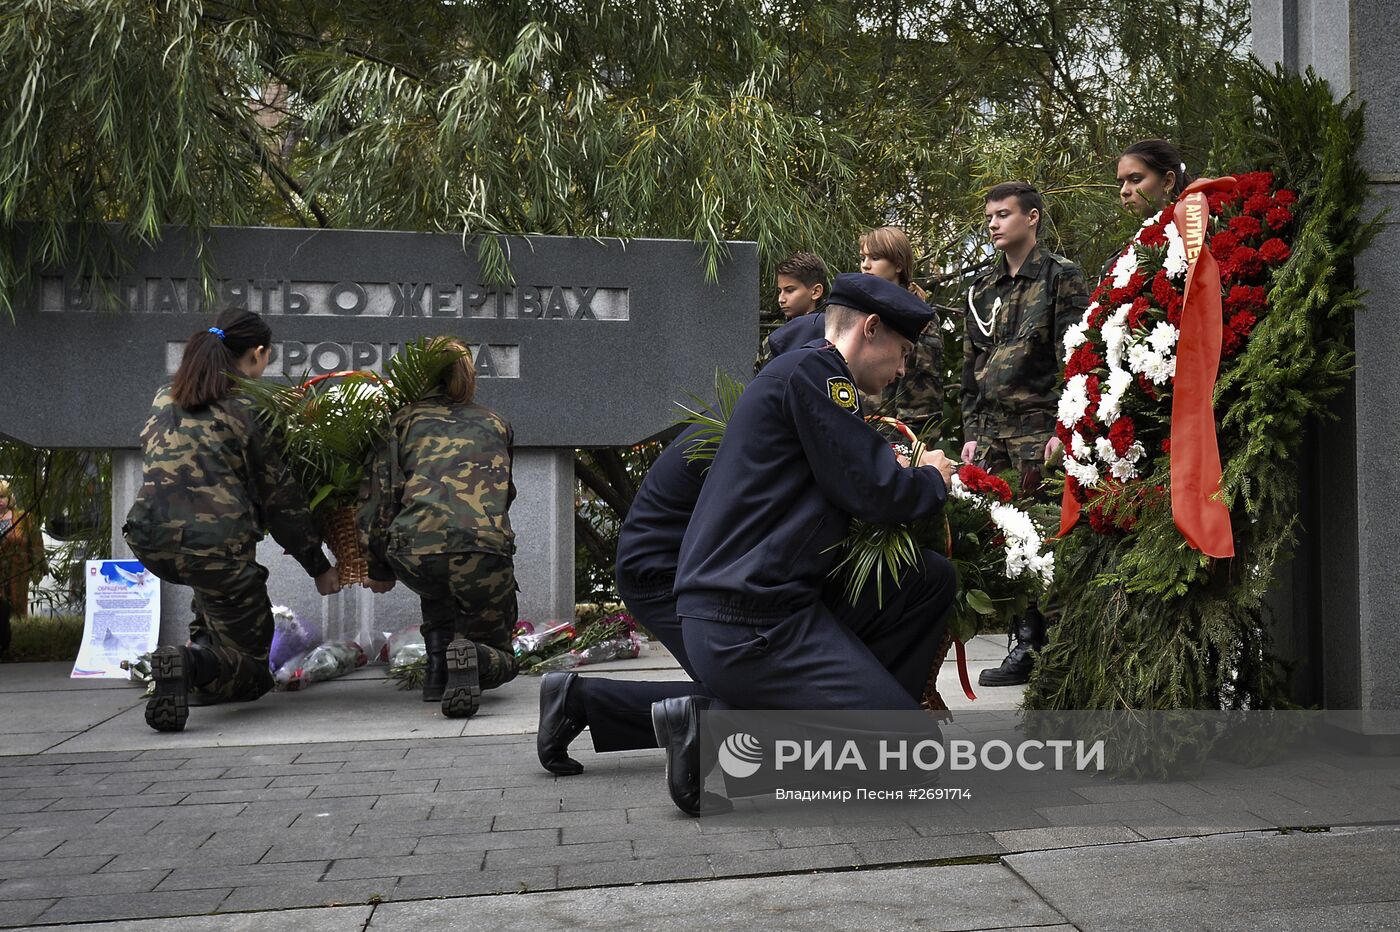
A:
(122, 618)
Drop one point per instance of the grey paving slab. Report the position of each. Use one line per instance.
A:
(340, 919)
(951, 898)
(147, 906)
(1222, 881)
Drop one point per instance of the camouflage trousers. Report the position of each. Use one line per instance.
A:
(1026, 455)
(232, 620)
(471, 595)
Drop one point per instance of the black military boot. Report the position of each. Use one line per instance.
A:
(1029, 634)
(435, 674)
(461, 696)
(169, 708)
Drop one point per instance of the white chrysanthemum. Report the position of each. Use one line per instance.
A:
(1155, 218)
(1124, 268)
(959, 490)
(1079, 447)
(1077, 334)
(1135, 452)
(1175, 262)
(1104, 448)
(1110, 403)
(1115, 334)
(1085, 473)
(1124, 471)
(1163, 337)
(1074, 400)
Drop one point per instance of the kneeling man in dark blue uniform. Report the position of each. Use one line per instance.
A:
(796, 464)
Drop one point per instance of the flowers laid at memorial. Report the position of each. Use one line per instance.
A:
(327, 424)
(1217, 337)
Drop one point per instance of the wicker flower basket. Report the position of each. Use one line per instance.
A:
(342, 533)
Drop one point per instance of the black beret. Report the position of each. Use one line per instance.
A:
(900, 309)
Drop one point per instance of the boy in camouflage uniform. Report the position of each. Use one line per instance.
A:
(434, 511)
(211, 482)
(1013, 348)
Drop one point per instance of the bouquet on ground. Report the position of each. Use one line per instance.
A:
(327, 425)
(575, 644)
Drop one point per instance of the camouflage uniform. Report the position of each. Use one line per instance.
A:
(211, 482)
(1010, 393)
(1010, 379)
(435, 511)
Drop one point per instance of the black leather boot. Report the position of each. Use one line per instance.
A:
(1015, 670)
(677, 725)
(169, 707)
(461, 697)
(562, 719)
(435, 675)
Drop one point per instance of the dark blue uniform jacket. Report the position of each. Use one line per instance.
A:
(651, 534)
(797, 332)
(796, 464)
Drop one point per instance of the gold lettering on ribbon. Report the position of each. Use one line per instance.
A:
(1192, 211)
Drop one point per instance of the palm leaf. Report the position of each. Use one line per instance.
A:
(711, 419)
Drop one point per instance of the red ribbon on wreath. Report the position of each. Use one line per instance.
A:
(1199, 513)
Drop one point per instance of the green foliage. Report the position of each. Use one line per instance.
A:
(1148, 623)
(328, 428)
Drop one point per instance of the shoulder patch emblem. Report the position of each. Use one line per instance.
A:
(843, 393)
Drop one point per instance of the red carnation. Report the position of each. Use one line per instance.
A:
(1230, 342)
(1162, 290)
(1223, 245)
(1243, 324)
(1092, 386)
(1258, 204)
(1085, 426)
(1275, 251)
(1121, 435)
(1140, 307)
(1219, 201)
(1245, 297)
(1246, 227)
(1245, 263)
(1167, 446)
(1174, 309)
(1099, 521)
(1278, 218)
(1064, 433)
(1076, 489)
(1252, 183)
(1117, 296)
(1135, 283)
(1285, 198)
(1155, 235)
(979, 480)
(1096, 316)
(1082, 361)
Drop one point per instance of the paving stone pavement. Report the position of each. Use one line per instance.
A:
(124, 827)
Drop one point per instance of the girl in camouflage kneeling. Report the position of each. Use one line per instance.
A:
(434, 510)
(211, 482)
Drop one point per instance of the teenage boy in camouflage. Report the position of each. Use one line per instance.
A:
(1013, 351)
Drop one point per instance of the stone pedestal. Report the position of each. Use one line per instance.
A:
(1351, 514)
